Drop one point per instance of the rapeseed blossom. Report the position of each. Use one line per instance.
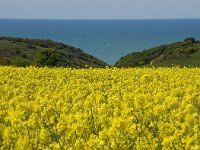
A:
(111, 108)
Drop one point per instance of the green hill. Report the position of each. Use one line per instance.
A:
(25, 52)
(186, 53)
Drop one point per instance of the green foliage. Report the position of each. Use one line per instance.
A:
(47, 57)
(181, 53)
(190, 39)
(141, 62)
(24, 55)
(140, 58)
(17, 52)
(28, 49)
(20, 62)
(30, 46)
(4, 61)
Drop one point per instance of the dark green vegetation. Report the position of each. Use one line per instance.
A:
(25, 52)
(186, 53)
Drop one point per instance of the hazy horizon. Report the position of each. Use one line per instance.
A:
(100, 18)
(104, 9)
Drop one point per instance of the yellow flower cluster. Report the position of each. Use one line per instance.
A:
(64, 108)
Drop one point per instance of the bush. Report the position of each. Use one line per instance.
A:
(4, 60)
(17, 52)
(20, 62)
(190, 40)
(141, 62)
(47, 57)
(24, 56)
(30, 46)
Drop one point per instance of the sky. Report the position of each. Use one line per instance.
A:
(99, 9)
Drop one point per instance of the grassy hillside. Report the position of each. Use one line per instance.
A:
(186, 53)
(25, 52)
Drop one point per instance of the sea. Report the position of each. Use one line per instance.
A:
(107, 40)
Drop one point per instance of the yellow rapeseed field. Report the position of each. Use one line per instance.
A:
(110, 108)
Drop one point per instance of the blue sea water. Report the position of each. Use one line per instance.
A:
(105, 39)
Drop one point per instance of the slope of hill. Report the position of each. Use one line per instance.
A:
(25, 52)
(186, 53)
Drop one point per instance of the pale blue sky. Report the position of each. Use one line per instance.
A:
(99, 9)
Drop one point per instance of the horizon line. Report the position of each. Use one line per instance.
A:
(97, 18)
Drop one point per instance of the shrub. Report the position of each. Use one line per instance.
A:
(47, 57)
(190, 40)
(20, 62)
(24, 56)
(17, 52)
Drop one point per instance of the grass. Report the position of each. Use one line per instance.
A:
(23, 52)
(185, 53)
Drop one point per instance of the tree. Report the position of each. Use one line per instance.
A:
(47, 57)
